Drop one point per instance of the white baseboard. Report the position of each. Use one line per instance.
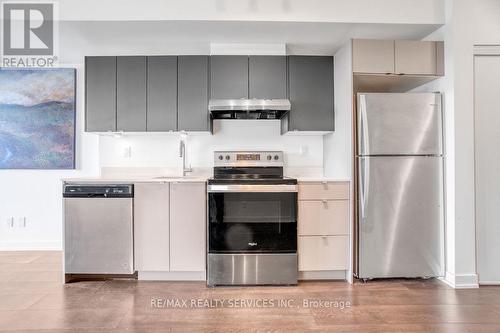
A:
(461, 281)
(30, 246)
(489, 283)
(171, 276)
(322, 275)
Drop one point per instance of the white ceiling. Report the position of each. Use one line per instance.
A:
(78, 38)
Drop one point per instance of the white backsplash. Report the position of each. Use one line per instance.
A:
(161, 150)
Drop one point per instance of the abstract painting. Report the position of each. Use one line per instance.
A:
(37, 118)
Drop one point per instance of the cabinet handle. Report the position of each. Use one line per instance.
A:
(325, 203)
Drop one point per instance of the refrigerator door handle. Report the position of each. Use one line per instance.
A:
(364, 176)
(364, 148)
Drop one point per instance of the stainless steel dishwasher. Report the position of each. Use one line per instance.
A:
(98, 229)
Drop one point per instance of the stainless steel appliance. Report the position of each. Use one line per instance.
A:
(252, 220)
(400, 185)
(248, 108)
(98, 229)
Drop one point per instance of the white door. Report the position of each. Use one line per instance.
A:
(487, 158)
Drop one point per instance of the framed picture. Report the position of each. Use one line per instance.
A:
(37, 118)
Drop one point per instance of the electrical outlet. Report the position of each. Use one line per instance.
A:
(127, 152)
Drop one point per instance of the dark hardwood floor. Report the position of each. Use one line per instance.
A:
(33, 298)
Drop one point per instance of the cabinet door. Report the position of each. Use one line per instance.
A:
(323, 253)
(416, 57)
(229, 77)
(267, 77)
(100, 94)
(311, 93)
(151, 226)
(324, 190)
(192, 88)
(321, 218)
(131, 94)
(187, 226)
(372, 56)
(162, 94)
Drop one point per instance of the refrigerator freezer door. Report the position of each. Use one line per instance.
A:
(399, 124)
(400, 220)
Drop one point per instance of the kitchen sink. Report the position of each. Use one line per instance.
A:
(174, 177)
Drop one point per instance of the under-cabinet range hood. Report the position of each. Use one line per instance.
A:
(248, 108)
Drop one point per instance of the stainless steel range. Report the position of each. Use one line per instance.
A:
(252, 220)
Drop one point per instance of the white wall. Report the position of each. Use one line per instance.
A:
(36, 194)
(338, 145)
(161, 150)
(385, 11)
(469, 23)
(486, 14)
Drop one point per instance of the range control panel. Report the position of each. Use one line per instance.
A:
(248, 158)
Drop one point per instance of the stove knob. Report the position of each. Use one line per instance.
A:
(276, 157)
(221, 157)
(227, 157)
(269, 157)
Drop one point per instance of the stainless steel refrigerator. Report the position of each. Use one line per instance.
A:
(399, 162)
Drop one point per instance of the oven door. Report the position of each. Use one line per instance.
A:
(252, 218)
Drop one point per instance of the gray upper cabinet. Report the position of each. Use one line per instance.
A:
(162, 93)
(192, 85)
(267, 77)
(229, 77)
(131, 94)
(311, 93)
(100, 94)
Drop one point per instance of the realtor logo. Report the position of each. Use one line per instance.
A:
(28, 34)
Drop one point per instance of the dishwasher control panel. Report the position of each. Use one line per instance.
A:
(98, 191)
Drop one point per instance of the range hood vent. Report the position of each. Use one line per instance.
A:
(248, 108)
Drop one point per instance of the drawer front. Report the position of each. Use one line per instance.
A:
(320, 218)
(318, 253)
(324, 191)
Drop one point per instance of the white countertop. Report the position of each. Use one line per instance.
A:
(319, 179)
(168, 175)
(172, 179)
(136, 179)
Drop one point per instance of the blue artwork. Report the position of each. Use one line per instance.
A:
(37, 118)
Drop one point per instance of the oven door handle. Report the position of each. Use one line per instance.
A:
(251, 188)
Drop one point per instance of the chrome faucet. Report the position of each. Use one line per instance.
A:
(182, 153)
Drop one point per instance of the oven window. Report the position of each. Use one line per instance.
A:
(252, 222)
(253, 207)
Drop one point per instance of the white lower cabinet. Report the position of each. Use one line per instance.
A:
(323, 253)
(326, 217)
(151, 226)
(323, 229)
(169, 230)
(187, 226)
